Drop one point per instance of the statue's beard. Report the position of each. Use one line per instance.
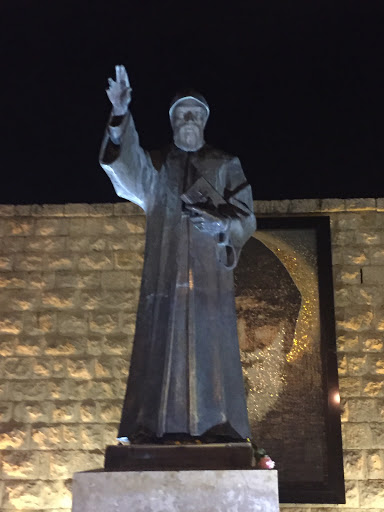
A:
(189, 137)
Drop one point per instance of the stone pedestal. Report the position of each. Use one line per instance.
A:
(176, 491)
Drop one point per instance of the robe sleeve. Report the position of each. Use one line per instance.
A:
(127, 165)
(242, 224)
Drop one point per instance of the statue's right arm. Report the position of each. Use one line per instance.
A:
(127, 165)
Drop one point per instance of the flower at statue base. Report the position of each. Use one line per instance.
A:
(261, 459)
(265, 463)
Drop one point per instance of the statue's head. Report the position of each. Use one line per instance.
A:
(188, 114)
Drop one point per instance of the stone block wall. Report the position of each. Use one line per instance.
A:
(69, 283)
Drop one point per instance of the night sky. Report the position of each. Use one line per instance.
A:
(295, 89)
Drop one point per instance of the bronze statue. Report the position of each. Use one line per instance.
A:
(185, 377)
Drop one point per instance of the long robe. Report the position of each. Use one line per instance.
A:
(185, 375)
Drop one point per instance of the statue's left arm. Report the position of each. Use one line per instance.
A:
(241, 221)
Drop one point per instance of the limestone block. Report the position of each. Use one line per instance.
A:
(135, 242)
(118, 344)
(126, 208)
(41, 280)
(64, 463)
(357, 436)
(39, 495)
(350, 386)
(351, 494)
(368, 237)
(6, 410)
(372, 343)
(32, 412)
(125, 260)
(25, 345)
(355, 256)
(97, 244)
(104, 323)
(110, 433)
(77, 280)
(176, 491)
(375, 464)
(127, 322)
(338, 256)
(13, 244)
(61, 261)
(47, 210)
(41, 367)
(81, 368)
(72, 323)
(64, 345)
(332, 205)
(100, 210)
(59, 299)
(23, 210)
(18, 464)
(365, 295)
(14, 437)
(20, 300)
(373, 274)
(76, 210)
(362, 409)
(134, 278)
(377, 433)
(57, 389)
(19, 226)
(7, 210)
(343, 238)
(371, 493)
(91, 437)
(64, 412)
(96, 261)
(71, 436)
(29, 262)
(357, 365)
(124, 225)
(79, 227)
(360, 204)
(6, 263)
(114, 280)
(376, 256)
(39, 323)
(348, 274)
(78, 244)
(7, 345)
(376, 364)
(51, 227)
(373, 386)
(122, 366)
(94, 344)
(88, 411)
(354, 464)
(356, 319)
(44, 244)
(3, 390)
(36, 390)
(304, 205)
(110, 412)
(271, 207)
(348, 343)
(105, 367)
(17, 368)
(13, 280)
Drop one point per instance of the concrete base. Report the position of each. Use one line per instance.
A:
(237, 490)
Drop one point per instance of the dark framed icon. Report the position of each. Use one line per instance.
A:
(286, 325)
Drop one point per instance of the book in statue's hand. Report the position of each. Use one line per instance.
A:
(202, 192)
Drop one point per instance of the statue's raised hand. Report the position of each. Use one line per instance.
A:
(119, 92)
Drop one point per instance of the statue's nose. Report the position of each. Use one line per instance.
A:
(188, 116)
